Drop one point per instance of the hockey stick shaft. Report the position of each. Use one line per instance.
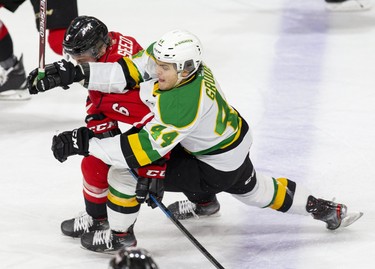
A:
(42, 38)
(182, 228)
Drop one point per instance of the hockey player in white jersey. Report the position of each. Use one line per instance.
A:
(208, 138)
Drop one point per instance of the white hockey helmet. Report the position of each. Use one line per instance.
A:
(181, 48)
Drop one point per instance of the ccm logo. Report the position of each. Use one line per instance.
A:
(103, 126)
(155, 173)
(75, 139)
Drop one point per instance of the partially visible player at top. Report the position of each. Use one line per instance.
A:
(12, 71)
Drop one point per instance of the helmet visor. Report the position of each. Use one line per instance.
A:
(84, 52)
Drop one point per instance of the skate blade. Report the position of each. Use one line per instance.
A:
(108, 252)
(350, 218)
(203, 217)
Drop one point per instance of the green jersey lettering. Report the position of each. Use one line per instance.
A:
(226, 116)
(168, 138)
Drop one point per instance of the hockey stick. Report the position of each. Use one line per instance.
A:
(42, 37)
(182, 228)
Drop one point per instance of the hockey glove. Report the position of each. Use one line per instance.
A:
(151, 181)
(71, 143)
(102, 126)
(149, 186)
(57, 74)
(152, 171)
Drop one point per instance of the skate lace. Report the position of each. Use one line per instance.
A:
(186, 207)
(103, 237)
(83, 222)
(4, 75)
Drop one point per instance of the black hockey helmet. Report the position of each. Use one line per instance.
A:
(85, 34)
(132, 258)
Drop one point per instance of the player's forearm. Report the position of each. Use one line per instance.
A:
(108, 150)
(106, 77)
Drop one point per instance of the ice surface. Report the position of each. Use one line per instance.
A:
(302, 77)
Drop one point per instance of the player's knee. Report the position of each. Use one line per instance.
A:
(95, 172)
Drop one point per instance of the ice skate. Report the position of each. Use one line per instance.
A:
(81, 224)
(13, 83)
(334, 214)
(108, 240)
(186, 209)
(348, 5)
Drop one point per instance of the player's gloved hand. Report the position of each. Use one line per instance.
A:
(61, 73)
(102, 126)
(153, 170)
(149, 186)
(71, 143)
(151, 182)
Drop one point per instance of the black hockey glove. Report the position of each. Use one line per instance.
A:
(61, 73)
(149, 186)
(71, 143)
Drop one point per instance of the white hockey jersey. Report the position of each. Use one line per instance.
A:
(194, 114)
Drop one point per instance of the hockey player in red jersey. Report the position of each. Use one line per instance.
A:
(87, 40)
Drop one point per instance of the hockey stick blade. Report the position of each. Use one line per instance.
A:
(350, 218)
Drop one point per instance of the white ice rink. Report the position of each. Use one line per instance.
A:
(304, 78)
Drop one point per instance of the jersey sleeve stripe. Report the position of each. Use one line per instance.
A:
(131, 73)
(128, 153)
(140, 155)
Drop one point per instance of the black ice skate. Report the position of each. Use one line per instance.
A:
(334, 214)
(108, 240)
(84, 223)
(186, 209)
(13, 82)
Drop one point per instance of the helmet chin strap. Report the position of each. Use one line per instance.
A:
(181, 78)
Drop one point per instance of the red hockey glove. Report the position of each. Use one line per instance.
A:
(102, 126)
(150, 181)
(152, 171)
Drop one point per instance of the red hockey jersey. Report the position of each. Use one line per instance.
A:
(126, 107)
